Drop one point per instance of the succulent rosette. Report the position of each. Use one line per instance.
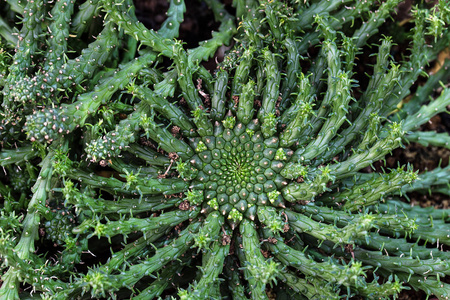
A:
(162, 179)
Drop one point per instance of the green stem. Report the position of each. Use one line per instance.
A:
(30, 231)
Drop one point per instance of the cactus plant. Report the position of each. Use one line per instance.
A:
(147, 175)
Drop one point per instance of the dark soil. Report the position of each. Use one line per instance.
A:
(197, 25)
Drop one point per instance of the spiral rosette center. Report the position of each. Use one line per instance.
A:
(237, 169)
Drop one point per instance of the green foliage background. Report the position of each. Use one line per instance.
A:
(132, 171)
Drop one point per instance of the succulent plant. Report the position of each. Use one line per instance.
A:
(155, 177)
